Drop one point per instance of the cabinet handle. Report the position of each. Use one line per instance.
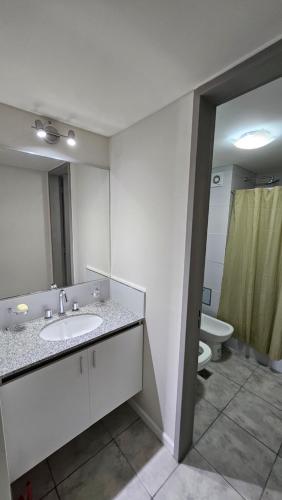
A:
(93, 359)
(81, 365)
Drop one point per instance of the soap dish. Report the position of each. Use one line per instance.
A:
(15, 328)
(18, 328)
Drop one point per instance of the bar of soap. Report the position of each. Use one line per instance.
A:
(22, 308)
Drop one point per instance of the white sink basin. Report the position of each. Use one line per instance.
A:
(70, 327)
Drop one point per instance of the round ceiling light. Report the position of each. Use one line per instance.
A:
(254, 139)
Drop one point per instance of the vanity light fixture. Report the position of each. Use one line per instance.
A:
(50, 134)
(254, 140)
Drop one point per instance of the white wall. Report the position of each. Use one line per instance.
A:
(219, 214)
(90, 193)
(149, 189)
(239, 175)
(25, 256)
(220, 197)
(16, 133)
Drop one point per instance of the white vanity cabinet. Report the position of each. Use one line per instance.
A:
(115, 371)
(43, 410)
(48, 407)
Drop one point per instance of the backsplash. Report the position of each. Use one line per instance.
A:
(129, 296)
(39, 301)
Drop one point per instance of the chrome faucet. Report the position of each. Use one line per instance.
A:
(62, 296)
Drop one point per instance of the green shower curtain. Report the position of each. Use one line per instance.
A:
(251, 293)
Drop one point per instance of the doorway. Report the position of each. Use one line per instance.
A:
(257, 71)
(60, 223)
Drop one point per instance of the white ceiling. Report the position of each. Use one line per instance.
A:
(12, 158)
(105, 64)
(259, 109)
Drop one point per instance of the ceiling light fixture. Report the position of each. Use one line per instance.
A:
(50, 134)
(254, 139)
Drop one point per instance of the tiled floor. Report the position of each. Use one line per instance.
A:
(243, 440)
(237, 448)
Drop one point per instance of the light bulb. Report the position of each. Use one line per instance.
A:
(71, 141)
(41, 133)
(71, 138)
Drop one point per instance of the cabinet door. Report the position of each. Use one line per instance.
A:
(115, 371)
(43, 410)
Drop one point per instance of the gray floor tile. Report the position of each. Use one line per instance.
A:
(51, 496)
(118, 420)
(273, 490)
(68, 458)
(240, 458)
(205, 414)
(134, 490)
(103, 477)
(41, 480)
(261, 419)
(267, 385)
(252, 360)
(234, 366)
(194, 479)
(148, 457)
(217, 390)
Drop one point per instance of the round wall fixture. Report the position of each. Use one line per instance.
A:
(52, 134)
(216, 179)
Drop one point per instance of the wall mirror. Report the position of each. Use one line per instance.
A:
(54, 223)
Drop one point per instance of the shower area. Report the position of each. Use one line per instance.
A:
(251, 289)
(243, 269)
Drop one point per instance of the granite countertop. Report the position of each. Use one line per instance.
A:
(20, 351)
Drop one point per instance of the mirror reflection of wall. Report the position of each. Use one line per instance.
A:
(90, 221)
(54, 223)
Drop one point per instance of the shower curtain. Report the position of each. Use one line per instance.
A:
(251, 293)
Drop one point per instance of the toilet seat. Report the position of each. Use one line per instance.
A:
(204, 356)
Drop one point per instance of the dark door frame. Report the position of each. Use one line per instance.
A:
(61, 224)
(256, 71)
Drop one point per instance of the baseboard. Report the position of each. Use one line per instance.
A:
(163, 437)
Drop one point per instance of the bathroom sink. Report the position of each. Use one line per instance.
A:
(70, 327)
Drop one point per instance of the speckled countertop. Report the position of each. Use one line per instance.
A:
(22, 350)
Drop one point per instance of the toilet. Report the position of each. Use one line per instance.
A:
(214, 332)
(204, 356)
